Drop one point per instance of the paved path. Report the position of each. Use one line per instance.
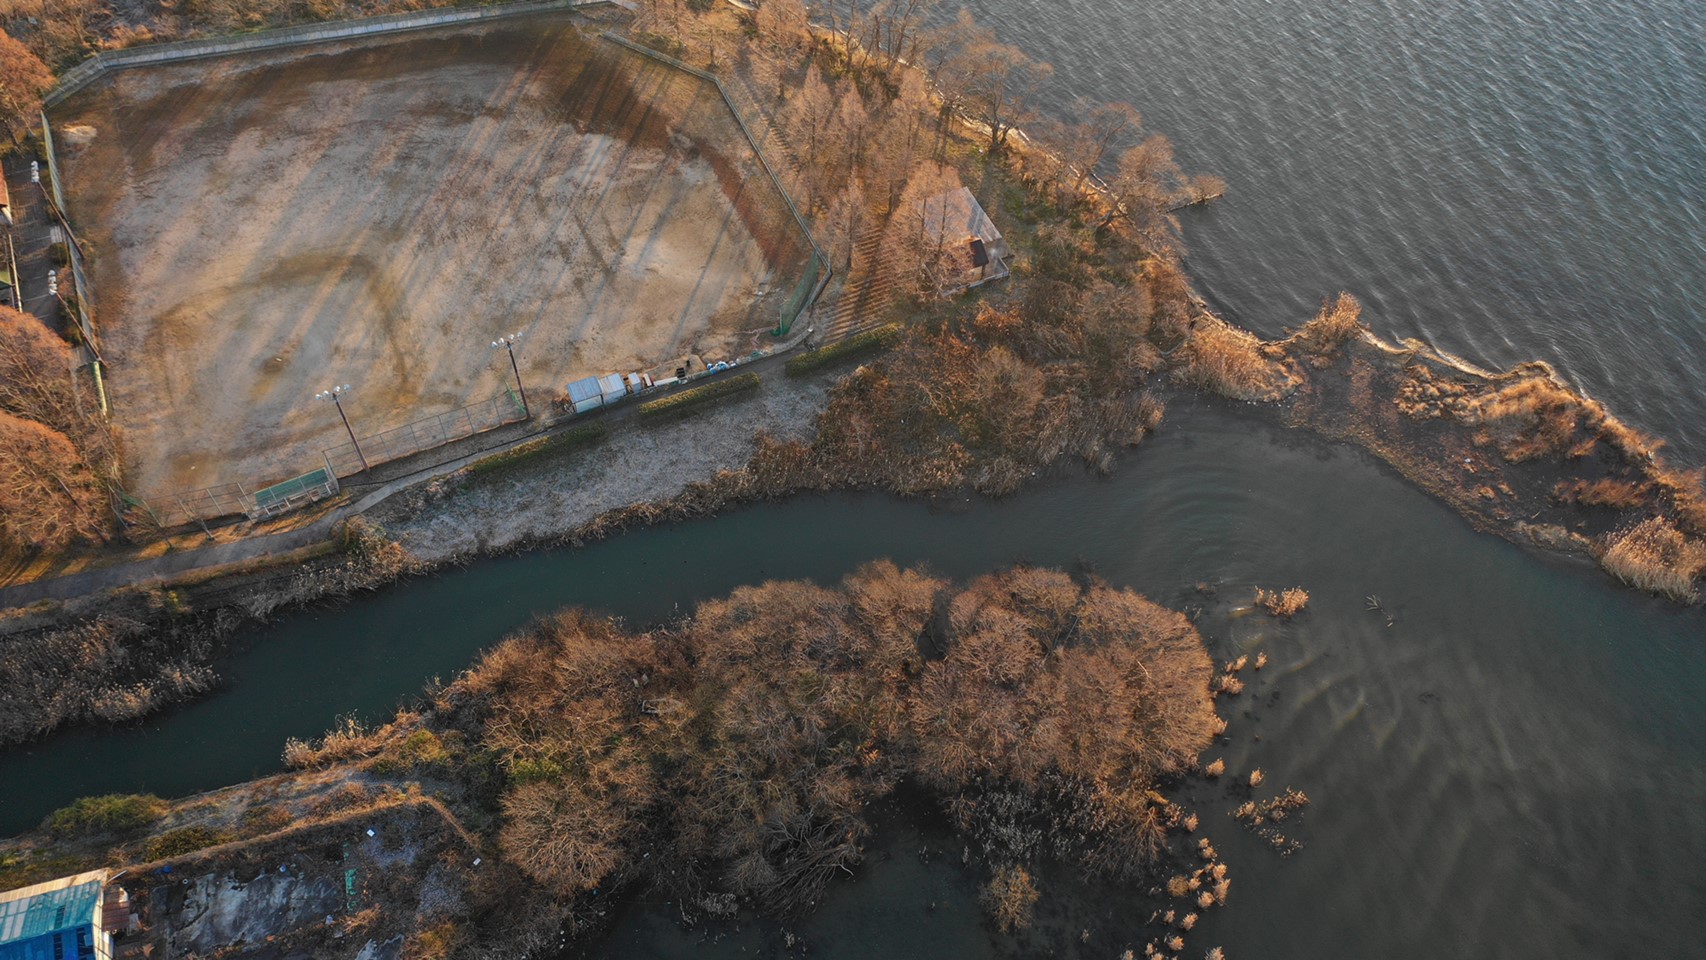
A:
(364, 497)
(31, 236)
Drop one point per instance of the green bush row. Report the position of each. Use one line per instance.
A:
(185, 840)
(111, 813)
(680, 404)
(581, 435)
(854, 346)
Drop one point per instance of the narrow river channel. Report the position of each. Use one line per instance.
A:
(1515, 765)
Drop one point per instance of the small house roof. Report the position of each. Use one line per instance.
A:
(956, 215)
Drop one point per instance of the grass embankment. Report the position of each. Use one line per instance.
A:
(416, 873)
(145, 647)
(688, 401)
(575, 438)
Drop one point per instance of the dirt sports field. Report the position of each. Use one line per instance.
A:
(376, 212)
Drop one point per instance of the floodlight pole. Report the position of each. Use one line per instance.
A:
(335, 395)
(508, 343)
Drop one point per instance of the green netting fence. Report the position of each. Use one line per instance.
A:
(295, 492)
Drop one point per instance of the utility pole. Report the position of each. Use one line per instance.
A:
(508, 343)
(335, 395)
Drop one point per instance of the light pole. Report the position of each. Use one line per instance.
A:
(508, 343)
(335, 394)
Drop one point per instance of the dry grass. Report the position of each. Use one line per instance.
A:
(1656, 557)
(1687, 491)
(1340, 319)
(1533, 418)
(1256, 777)
(349, 739)
(1604, 492)
(1283, 603)
(1010, 897)
(1231, 362)
(1214, 769)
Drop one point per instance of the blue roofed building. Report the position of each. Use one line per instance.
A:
(57, 920)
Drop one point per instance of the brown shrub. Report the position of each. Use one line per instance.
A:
(1283, 603)
(107, 668)
(27, 78)
(1604, 492)
(1656, 557)
(1339, 320)
(1229, 361)
(1533, 417)
(1010, 897)
(348, 739)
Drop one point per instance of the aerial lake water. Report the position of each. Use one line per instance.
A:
(1514, 766)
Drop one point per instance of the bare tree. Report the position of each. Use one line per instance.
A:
(48, 497)
(809, 112)
(898, 34)
(851, 129)
(1004, 85)
(1104, 130)
(35, 374)
(1143, 190)
(950, 60)
(842, 223)
(783, 29)
(23, 80)
(669, 18)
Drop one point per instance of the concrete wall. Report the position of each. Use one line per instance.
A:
(101, 64)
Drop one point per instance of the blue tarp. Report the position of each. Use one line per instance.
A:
(30, 926)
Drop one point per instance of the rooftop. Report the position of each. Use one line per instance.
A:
(38, 911)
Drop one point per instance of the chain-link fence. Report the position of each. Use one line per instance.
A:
(771, 216)
(194, 506)
(434, 431)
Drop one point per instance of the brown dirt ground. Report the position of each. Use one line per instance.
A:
(374, 213)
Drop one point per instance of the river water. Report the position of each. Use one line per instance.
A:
(1506, 179)
(1514, 767)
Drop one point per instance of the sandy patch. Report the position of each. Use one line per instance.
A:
(375, 214)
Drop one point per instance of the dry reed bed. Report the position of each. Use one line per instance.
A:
(1520, 453)
(146, 647)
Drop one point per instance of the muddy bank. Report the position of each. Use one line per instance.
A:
(469, 514)
(1520, 453)
(121, 655)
